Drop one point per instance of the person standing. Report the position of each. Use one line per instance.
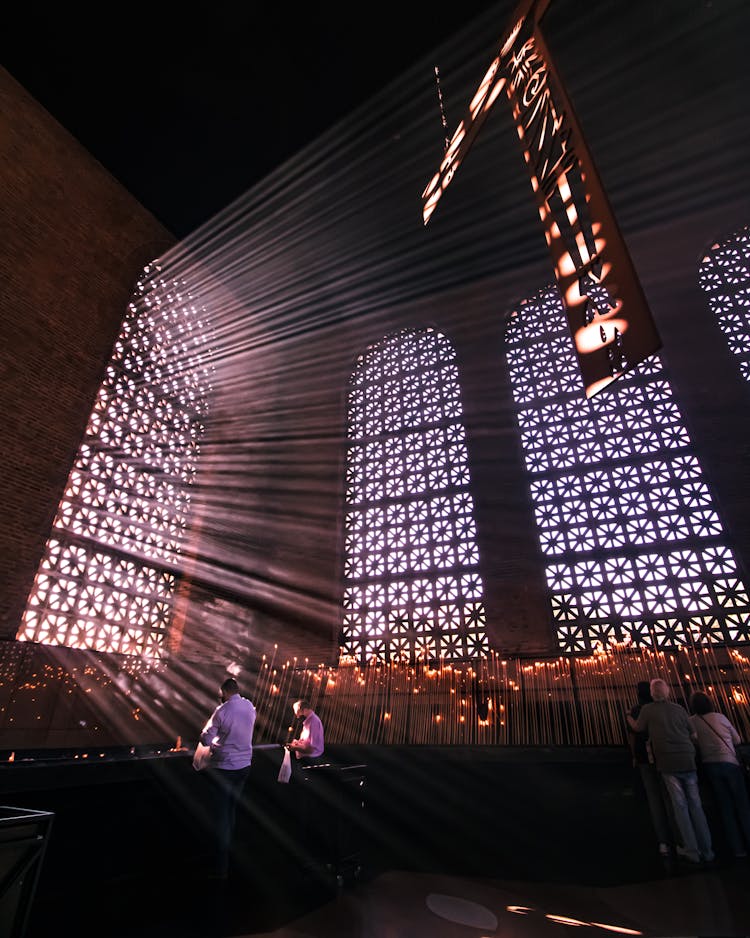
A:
(671, 736)
(649, 777)
(229, 735)
(716, 740)
(312, 803)
(310, 745)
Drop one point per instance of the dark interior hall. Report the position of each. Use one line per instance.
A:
(330, 450)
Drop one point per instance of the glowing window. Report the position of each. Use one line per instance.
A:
(725, 277)
(633, 544)
(107, 578)
(411, 580)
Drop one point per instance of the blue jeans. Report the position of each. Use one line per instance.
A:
(655, 795)
(727, 783)
(689, 816)
(228, 785)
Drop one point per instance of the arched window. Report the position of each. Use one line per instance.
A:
(411, 581)
(725, 277)
(107, 578)
(633, 546)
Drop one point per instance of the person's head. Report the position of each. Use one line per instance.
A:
(700, 703)
(643, 689)
(659, 689)
(301, 707)
(229, 688)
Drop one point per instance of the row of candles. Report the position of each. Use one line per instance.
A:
(497, 701)
(494, 700)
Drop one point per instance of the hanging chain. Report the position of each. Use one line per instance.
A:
(442, 109)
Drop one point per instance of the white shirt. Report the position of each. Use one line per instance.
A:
(229, 733)
(312, 736)
(711, 747)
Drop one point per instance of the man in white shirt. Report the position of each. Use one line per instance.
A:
(229, 733)
(311, 811)
(310, 745)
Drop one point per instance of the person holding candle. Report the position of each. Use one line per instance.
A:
(308, 750)
(229, 734)
(310, 745)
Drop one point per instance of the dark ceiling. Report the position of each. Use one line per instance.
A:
(189, 111)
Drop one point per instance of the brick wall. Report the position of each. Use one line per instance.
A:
(73, 243)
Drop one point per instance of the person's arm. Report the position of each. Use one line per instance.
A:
(735, 736)
(298, 745)
(692, 729)
(639, 724)
(311, 738)
(211, 730)
(303, 745)
(632, 736)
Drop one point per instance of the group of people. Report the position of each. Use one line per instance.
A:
(666, 741)
(229, 735)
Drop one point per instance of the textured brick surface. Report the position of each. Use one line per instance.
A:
(73, 243)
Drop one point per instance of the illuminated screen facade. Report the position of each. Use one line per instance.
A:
(412, 587)
(108, 575)
(725, 277)
(608, 316)
(634, 548)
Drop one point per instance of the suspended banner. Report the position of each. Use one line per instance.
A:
(606, 309)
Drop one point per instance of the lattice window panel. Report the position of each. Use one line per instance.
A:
(725, 277)
(412, 586)
(108, 575)
(633, 544)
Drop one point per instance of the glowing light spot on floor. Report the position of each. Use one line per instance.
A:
(461, 911)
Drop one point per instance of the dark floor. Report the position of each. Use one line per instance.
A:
(679, 901)
(400, 904)
(447, 844)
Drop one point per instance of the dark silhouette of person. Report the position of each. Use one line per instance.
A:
(649, 778)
